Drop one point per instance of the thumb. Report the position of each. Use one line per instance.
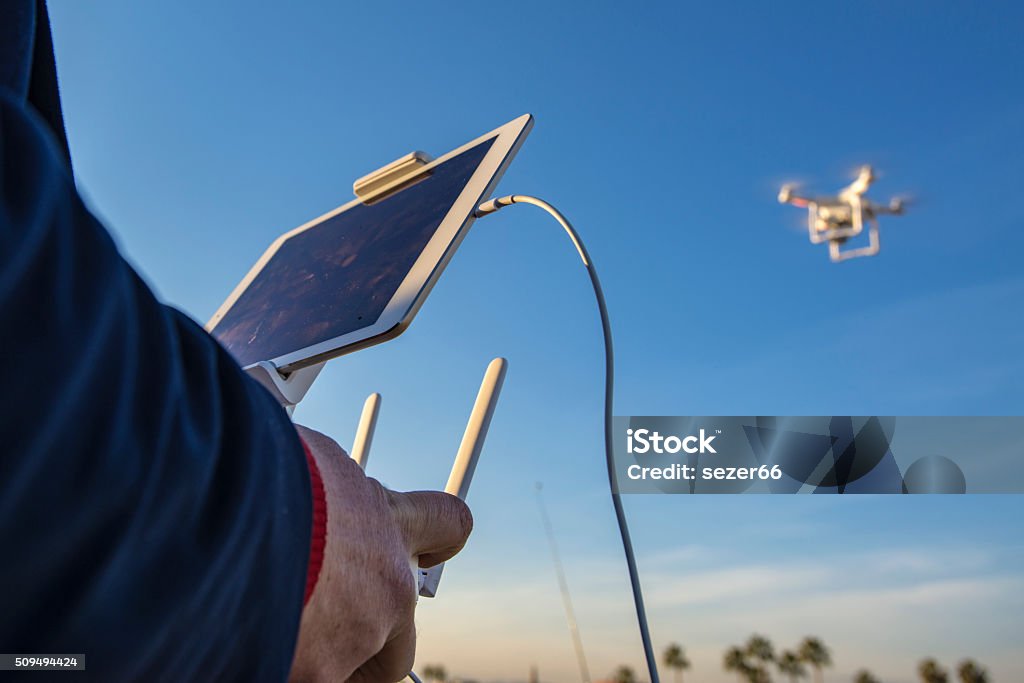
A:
(435, 525)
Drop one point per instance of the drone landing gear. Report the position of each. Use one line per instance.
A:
(837, 254)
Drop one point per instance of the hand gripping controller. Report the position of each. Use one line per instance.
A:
(465, 460)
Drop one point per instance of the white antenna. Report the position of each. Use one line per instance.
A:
(476, 429)
(469, 452)
(364, 432)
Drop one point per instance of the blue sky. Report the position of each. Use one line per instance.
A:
(201, 131)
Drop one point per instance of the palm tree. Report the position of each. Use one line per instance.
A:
(813, 652)
(675, 659)
(791, 665)
(624, 674)
(736, 660)
(435, 672)
(759, 649)
(930, 672)
(865, 676)
(970, 671)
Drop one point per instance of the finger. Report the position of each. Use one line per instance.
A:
(435, 525)
(393, 662)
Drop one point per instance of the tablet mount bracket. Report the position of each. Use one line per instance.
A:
(391, 178)
(287, 389)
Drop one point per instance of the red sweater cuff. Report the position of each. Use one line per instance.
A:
(319, 535)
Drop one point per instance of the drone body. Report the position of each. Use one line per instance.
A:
(836, 219)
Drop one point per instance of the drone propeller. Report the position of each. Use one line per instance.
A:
(789, 193)
(865, 169)
(862, 182)
(903, 201)
(897, 205)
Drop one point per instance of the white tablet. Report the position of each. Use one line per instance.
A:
(357, 275)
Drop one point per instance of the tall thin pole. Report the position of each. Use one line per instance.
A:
(563, 585)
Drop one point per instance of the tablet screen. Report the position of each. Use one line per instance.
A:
(337, 276)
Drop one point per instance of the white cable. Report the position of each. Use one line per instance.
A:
(493, 205)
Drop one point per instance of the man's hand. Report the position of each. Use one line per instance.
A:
(358, 624)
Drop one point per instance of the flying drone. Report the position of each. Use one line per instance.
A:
(836, 219)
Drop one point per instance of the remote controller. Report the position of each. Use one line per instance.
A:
(465, 459)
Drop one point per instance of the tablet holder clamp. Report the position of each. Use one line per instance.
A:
(287, 389)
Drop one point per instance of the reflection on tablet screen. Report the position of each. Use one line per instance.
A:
(338, 276)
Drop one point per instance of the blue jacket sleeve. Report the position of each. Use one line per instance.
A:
(154, 501)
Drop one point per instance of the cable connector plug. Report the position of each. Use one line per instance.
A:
(492, 205)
